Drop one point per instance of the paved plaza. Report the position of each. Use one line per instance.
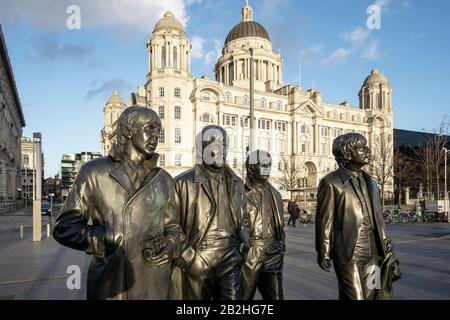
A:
(30, 270)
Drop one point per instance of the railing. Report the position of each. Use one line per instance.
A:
(8, 206)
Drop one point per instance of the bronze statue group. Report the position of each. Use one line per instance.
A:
(207, 235)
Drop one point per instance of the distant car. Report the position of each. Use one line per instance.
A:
(45, 208)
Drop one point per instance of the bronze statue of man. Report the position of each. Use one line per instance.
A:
(264, 221)
(115, 203)
(204, 225)
(349, 226)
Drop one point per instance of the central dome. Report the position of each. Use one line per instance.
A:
(247, 29)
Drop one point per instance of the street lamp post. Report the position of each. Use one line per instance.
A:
(252, 104)
(244, 147)
(37, 183)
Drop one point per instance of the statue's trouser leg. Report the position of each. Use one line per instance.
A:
(270, 283)
(199, 278)
(355, 278)
(229, 276)
(214, 274)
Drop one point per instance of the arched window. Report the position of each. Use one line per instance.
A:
(228, 97)
(175, 57)
(232, 138)
(264, 141)
(263, 103)
(281, 144)
(246, 100)
(279, 106)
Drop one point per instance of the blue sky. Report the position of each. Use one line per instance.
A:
(65, 76)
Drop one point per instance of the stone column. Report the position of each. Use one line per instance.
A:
(406, 195)
(294, 138)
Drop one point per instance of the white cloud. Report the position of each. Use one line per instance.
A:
(371, 51)
(339, 55)
(136, 15)
(383, 4)
(357, 36)
(311, 54)
(212, 55)
(198, 50)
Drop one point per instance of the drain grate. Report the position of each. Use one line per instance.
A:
(8, 297)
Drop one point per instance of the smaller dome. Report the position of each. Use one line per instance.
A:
(169, 22)
(116, 98)
(375, 77)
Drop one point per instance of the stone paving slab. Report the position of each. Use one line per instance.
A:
(37, 270)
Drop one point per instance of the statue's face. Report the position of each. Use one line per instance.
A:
(145, 138)
(361, 155)
(260, 171)
(214, 150)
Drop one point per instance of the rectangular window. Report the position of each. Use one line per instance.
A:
(303, 148)
(161, 92)
(163, 56)
(162, 160)
(161, 112)
(162, 136)
(229, 120)
(234, 163)
(177, 113)
(178, 160)
(177, 135)
(177, 93)
(175, 57)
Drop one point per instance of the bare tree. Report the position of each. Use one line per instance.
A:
(382, 162)
(439, 141)
(402, 169)
(291, 177)
(430, 155)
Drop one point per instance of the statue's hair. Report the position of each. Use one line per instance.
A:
(344, 145)
(206, 137)
(129, 121)
(254, 156)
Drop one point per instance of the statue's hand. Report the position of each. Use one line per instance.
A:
(396, 273)
(165, 251)
(324, 263)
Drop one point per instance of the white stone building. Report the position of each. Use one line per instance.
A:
(11, 123)
(297, 127)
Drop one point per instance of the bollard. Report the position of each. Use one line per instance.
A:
(21, 231)
(48, 230)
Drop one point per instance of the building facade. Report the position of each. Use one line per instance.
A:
(28, 168)
(70, 165)
(11, 123)
(295, 126)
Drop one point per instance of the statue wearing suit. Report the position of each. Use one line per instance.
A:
(204, 225)
(264, 221)
(350, 229)
(115, 203)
